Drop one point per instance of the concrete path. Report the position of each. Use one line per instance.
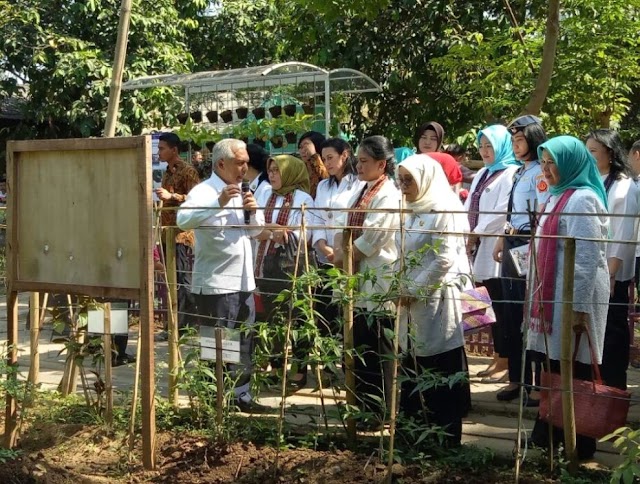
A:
(491, 423)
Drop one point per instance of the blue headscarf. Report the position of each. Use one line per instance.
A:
(403, 153)
(500, 139)
(576, 166)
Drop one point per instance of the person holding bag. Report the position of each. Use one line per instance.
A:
(276, 254)
(437, 271)
(575, 187)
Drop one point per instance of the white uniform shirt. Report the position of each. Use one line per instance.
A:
(330, 195)
(622, 199)
(223, 255)
(378, 246)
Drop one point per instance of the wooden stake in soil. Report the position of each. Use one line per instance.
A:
(11, 413)
(349, 374)
(394, 369)
(108, 374)
(219, 379)
(566, 360)
(34, 333)
(172, 312)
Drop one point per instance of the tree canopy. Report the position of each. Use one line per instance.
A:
(464, 63)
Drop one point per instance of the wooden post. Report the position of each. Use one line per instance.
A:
(134, 399)
(34, 333)
(147, 362)
(118, 66)
(396, 347)
(219, 378)
(11, 414)
(566, 360)
(349, 362)
(108, 374)
(172, 312)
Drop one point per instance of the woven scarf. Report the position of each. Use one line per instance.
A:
(268, 247)
(542, 308)
(356, 219)
(474, 207)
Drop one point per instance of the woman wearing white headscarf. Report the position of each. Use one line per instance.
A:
(435, 264)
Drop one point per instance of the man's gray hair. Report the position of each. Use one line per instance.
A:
(225, 150)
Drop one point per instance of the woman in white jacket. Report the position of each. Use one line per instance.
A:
(436, 270)
(622, 198)
(490, 193)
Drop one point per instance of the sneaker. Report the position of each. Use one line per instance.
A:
(125, 359)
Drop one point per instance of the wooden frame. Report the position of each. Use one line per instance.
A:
(79, 221)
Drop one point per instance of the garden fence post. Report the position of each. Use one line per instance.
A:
(11, 413)
(219, 378)
(34, 333)
(108, 374)
(350, 380)
(566, 360)
(172, 313)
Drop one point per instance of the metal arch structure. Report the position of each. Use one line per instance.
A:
(343, 80)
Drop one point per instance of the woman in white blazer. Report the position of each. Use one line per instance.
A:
(490, 193)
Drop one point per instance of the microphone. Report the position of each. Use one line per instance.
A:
(245, 189)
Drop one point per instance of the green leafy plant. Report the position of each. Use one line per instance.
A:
(627, 442)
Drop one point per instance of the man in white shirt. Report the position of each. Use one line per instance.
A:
(223, 281)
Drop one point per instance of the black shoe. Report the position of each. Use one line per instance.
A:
(531, 403)
(123, 360)
(508, 395)
(162, 336)
(295, 385)
(369, 426)
(251, 406)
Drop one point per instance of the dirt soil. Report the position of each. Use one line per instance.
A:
(87, 454)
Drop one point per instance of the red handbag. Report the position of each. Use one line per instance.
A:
(599, 409)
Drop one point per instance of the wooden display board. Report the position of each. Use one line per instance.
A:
(79, 221)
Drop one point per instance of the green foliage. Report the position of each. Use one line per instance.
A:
(627, 442)
(67, 62)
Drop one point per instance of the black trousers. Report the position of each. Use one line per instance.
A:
(372, 345)
(514, 290)
(446, 405)
(615, 357)
(494, 287)
(187, 310)
(586, 446)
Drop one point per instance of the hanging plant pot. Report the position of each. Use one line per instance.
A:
(212, 116)
(258, 113)
(277, 141)
(308, 108)
(194, 146)
(182, 118)
(196, 117)
(210, 145)
(226, 116)
(291, 137)
(242, 112)
(275, 111)
(259, 142)
(290, 110)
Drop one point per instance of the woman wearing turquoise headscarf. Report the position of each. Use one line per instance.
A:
(490, 193)
(576, 187)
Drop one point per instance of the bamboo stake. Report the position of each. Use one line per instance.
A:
(349, 363)
(219, 379)
(394, 369)
(172, 312)
(134, 401)
(108, 376)
(67, 385)
(11, 410)
(118, 66)
(34, 333)
(566, 360)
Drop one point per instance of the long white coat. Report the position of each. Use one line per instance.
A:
(591, 278)
(495, 198)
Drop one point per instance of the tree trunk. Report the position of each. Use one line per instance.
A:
(539, 94)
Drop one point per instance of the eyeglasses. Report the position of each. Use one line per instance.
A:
(273, 172)
(404, 180)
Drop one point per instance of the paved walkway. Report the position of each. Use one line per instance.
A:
(491, 423)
